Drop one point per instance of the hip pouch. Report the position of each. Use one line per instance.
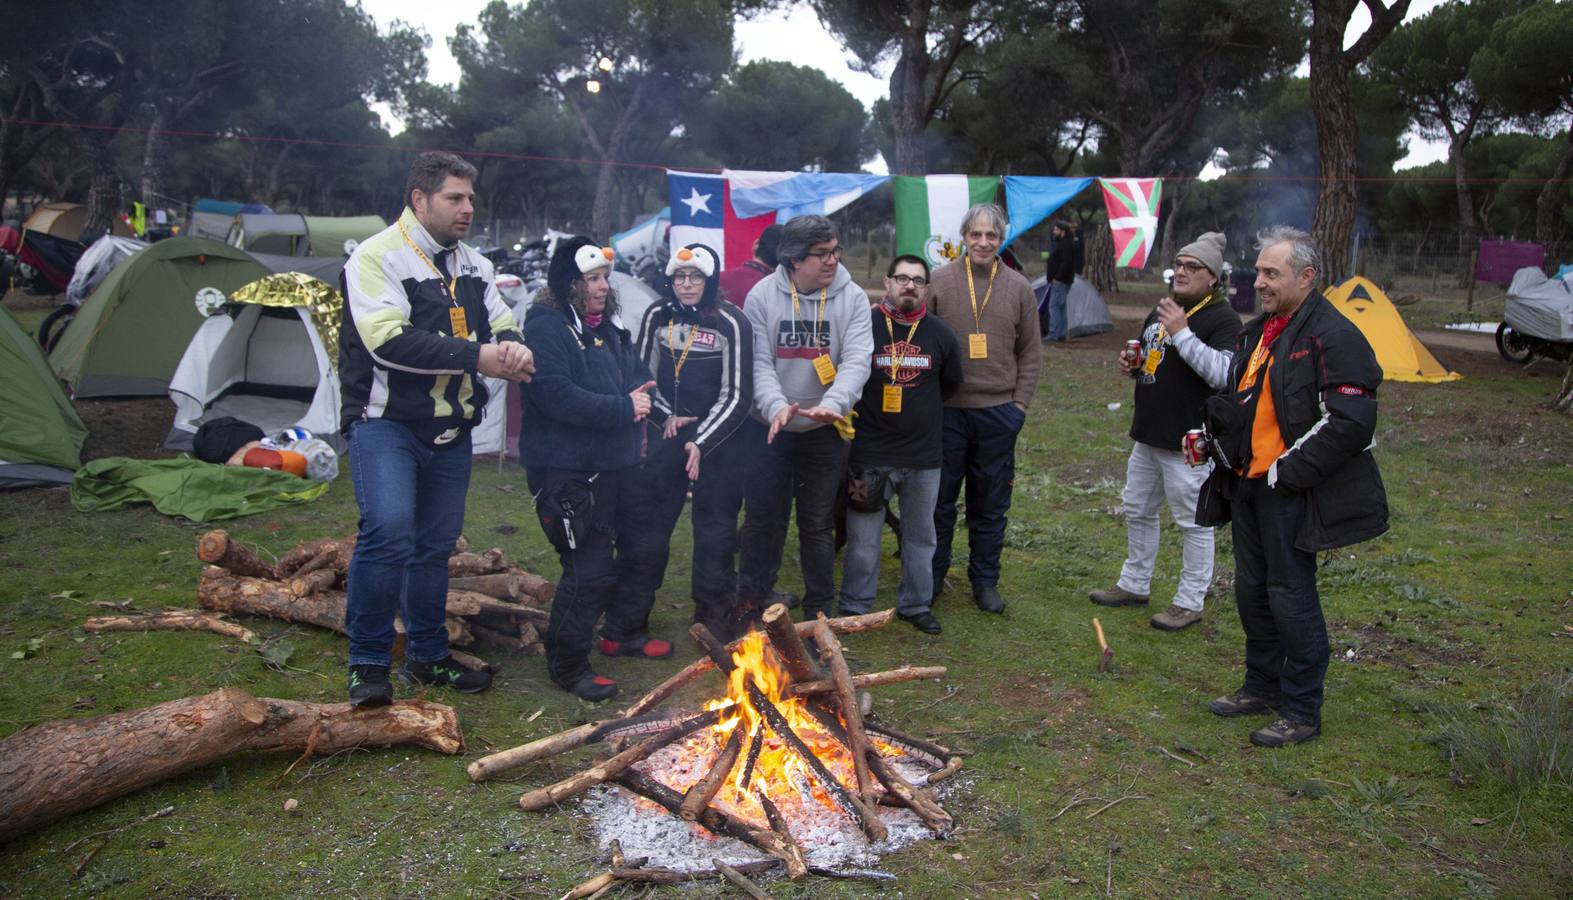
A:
(566, 509)
(866, 488)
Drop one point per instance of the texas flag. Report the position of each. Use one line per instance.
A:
(702, 213)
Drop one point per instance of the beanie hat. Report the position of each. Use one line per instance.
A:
(575, 257)
(1208, 250)
(693, 256)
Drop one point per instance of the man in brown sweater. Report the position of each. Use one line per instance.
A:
(994, 314)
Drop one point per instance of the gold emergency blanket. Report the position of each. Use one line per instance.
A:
(297, 289)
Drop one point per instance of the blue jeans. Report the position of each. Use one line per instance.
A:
(1058, 292)
(980, 450)
(411, 499)
(1286, 650)
(919, 489)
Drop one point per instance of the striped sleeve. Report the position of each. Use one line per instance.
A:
(737, 383)
(649, 350)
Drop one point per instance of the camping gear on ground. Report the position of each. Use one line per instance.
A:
(128, 336)
(217, 440)
(1085, 311)
(282, 233)
(1400, 353)
(199, 491)
(1538, 320)
(327, 235)
(41, 439)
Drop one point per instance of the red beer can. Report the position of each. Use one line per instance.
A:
(1194, 447)
(1132, 353)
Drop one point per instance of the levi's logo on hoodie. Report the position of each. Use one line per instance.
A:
(801, 339)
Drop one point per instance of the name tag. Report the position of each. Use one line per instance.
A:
(825, 368)
(1154, 356)
(978, 346)
(891, 401)
(461, 326)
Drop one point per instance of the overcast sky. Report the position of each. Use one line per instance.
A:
(793, 35)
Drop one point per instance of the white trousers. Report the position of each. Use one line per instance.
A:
(1152, 476)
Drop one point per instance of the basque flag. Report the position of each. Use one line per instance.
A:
(1133, 217)
(702, 213)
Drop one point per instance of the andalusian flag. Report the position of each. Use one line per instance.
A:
(1133, 217)
(929, 211)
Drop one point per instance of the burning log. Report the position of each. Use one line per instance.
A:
(52, 770)
(916, 747)
(219, 549)
(796, 862)
(173, 620)
(704, 790)
(899, 791)
(830, 655)
(866, 680)
(753, 757)
(788, 644)
(713, 820)
(541, 798)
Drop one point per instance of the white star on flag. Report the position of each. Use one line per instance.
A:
(697, 201)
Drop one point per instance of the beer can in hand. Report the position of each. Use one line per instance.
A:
(1194, 447)
(1132, 354)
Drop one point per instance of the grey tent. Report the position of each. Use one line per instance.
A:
(211, 225)
(322, 268)
(284, 234)
(1085, 311)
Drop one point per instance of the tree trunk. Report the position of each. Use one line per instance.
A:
(1100, 260)
(153, 149)
(1549, 203)
(605, 203)
(103, 195)
(1467, 234)
(906, 106)
(1337, 136)
(58, 768)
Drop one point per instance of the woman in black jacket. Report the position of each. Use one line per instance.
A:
(584, 419)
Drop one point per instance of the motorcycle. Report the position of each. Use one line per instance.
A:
(1538, 320)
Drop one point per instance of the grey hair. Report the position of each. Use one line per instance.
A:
(1303, 252)
(799, 234)
(431, 169)
(992, 210)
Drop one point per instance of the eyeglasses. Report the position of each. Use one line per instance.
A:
(905, 280)
(833, 254)
(688, 278)
(1192, 267)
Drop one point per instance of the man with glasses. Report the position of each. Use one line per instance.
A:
(995, 317)
(1186, 347)
(812, 347)
(898, 450)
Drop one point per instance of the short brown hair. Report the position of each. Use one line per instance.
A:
(431, 168)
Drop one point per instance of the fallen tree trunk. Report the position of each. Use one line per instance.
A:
(172, 620)
(58, 768)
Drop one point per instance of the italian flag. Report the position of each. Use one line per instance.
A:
(929, 210)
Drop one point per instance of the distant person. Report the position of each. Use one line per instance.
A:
(1061, 274)
(585, 412)
(898, 448)
(1299, 427)
(812, 349)
(422, 318)
(736, 282)
(992, 311)
(700, 351)
(1187, 344)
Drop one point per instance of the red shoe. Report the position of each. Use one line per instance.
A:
(649, 648)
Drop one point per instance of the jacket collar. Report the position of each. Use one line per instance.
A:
(420, 236)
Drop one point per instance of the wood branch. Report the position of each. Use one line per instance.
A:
(319, 579)
(533, 586)
(796, 861)
(788, 644)
(492, 639)
(866, 680)
(487, 563)
(738, 878)
(502, 585)
(830, 655)
(698, 797)
(474, 603)
(222, 591)
(952, 766)
(494, 764)
(323, 560)
(52, 770)
(657, 875)
(713, 820)
(754, 747)
(300, 554)
(219, 549)
(927, 751)
(173, 620)
(603, 772)
(469, 660)
(592, 887)
(920, 800)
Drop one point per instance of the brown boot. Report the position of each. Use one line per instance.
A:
(1175, 618)
(1118, 596)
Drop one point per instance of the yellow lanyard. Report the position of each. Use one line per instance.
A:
(1258, 356)
(818, 319)
(671, 348)
(895, 351)
(977, 314)
(448, 286)
(1162, 333)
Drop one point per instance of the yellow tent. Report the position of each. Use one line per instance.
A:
(1401, 354)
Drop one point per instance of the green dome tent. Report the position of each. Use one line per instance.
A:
(128, 337)
(41, 442)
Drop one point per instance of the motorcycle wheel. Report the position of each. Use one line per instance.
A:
(54, 325)
(1514, 347)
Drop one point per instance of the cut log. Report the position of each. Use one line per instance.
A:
(561, 742)
(219, 549)
(222, 591)
(463, 564)
(866, 680)
(796, 861)
(501, 641)
(474, 603)
(469, 660)
(312, 582)
(55, 769)
(788, 644)
(830, 655)
(698, 797)
(502, 585)
(300, 554)
(173, 620)
(533, 586)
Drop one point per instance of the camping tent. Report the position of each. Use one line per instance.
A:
(41, 442)
(1085, 311)
(129, 334)
(327, 234)
(211, 225)
(282, 233)
(1400, 353)
(270, 357)
(65, 220)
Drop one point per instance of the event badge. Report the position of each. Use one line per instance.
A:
(978, 345)
(892, 399)
(1154, 356)
(461, 326)
(825, 368)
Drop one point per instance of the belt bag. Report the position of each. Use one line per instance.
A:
(1226, 420)
(566, 509)
(866, 488)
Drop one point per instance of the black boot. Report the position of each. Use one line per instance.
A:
(988, 598)
(369, 686)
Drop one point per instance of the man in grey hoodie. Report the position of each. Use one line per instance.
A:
(813, 342)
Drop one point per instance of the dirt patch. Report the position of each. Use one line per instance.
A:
(134, 427)
(1052, 701)
(1374, 643)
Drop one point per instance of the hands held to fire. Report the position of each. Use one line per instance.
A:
(508, 360)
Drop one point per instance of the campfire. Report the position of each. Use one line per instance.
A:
(786, 762)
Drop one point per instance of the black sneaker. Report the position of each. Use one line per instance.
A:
(923, 621)
(369, 686)
(445, 673)
(988, 598)
(791, 600)
(590, 686)
(1240, 703)
(1283, 732)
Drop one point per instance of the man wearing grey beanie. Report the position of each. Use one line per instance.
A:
(1186, 348)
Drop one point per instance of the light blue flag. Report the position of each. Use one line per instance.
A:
(789, 194)
(1030, 199)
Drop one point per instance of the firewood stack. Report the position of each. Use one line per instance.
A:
(492, 604)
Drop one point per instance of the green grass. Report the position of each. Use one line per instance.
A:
(1449, 617)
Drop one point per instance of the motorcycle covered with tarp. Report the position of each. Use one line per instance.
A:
(1538, 320)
